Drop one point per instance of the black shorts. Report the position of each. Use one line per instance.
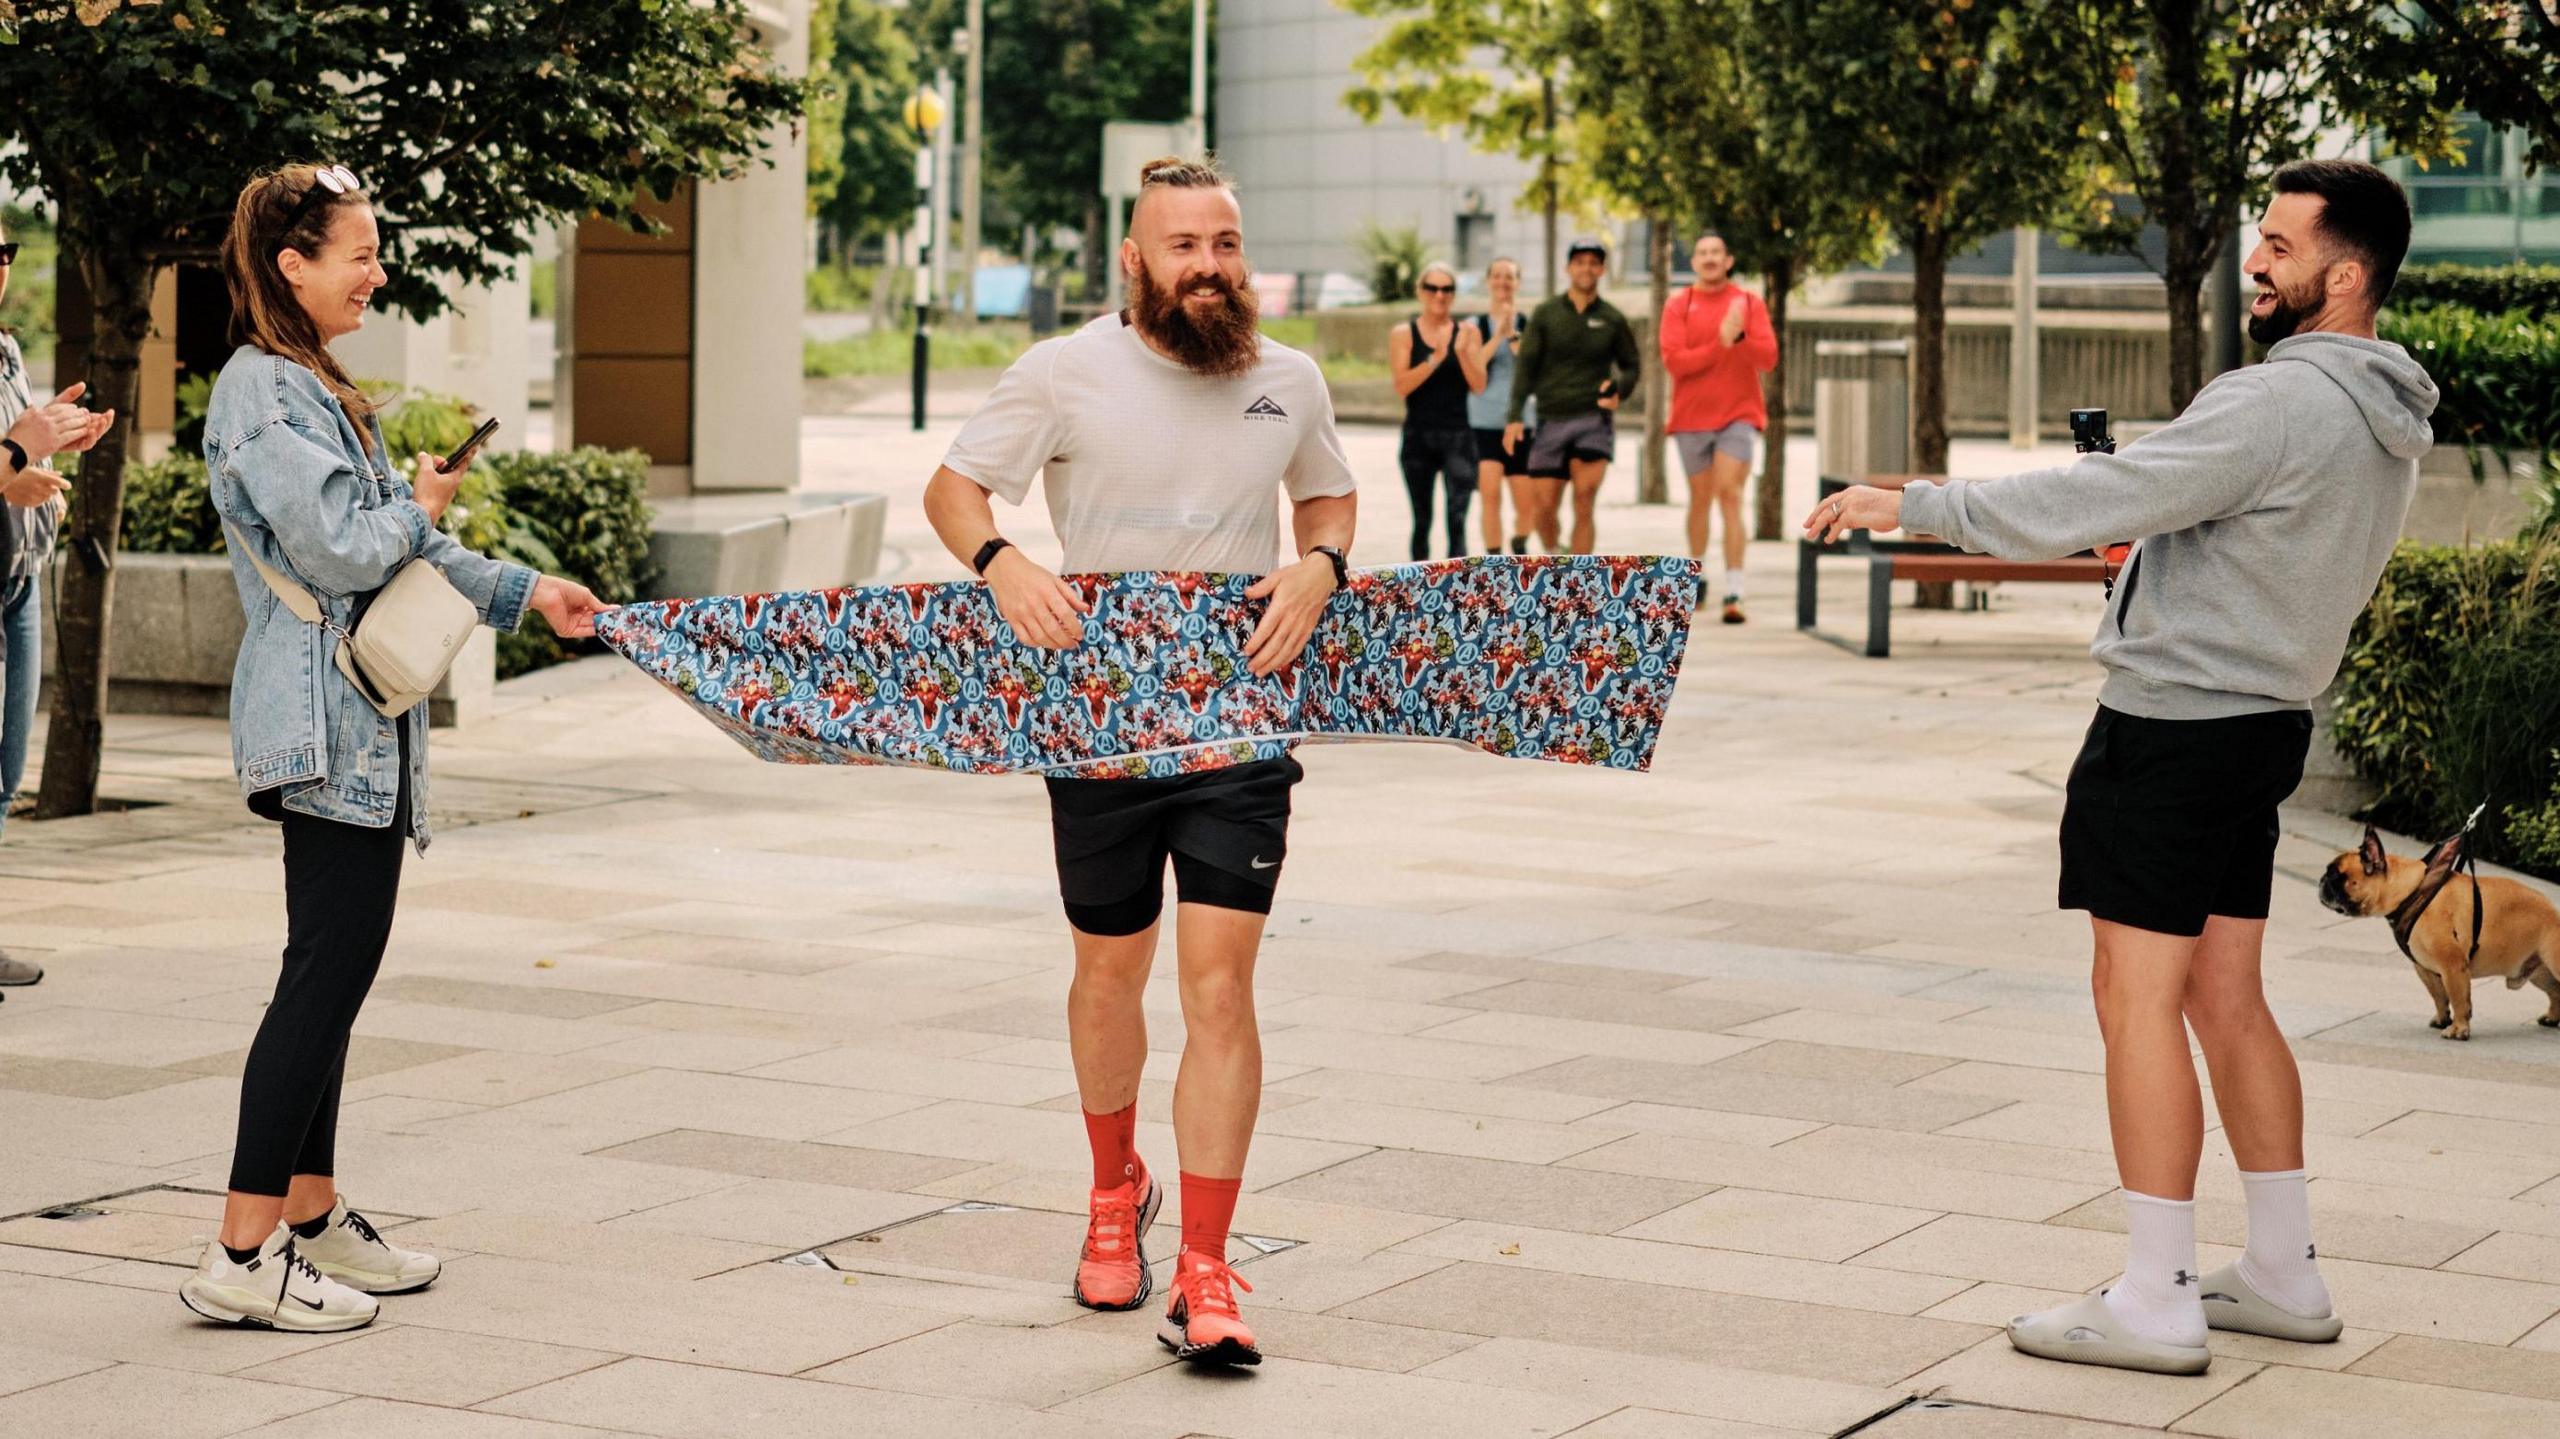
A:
(1225, 830)
(1514, 462)
(2168, 822)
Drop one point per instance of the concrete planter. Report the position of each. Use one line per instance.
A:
(176, 632)
(2452, 508)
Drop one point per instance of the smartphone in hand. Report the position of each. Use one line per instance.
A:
(462, 455)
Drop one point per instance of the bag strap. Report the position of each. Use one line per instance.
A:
(295, 597)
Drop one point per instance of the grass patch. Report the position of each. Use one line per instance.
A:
(892, 351)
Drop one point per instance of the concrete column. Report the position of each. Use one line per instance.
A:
(748, 295)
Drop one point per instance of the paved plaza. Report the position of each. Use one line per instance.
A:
(1744, 1098)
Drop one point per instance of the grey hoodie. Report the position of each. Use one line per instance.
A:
(2263, 517)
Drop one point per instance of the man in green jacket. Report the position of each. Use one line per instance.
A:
(1578, 357)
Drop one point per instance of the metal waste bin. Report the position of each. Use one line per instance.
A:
(1043, 309)
(1862, 408)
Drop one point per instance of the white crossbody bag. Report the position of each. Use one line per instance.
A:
(403, 641)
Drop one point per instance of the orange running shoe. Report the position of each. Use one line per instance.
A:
(1201, 1323)
(1112, 1271)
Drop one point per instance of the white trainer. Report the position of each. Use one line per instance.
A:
(355, 1254)
(276, 1289)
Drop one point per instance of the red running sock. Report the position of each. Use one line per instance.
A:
(1114, 1137)
(1208, 1207)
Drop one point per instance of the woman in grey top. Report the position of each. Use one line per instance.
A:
(33, 508)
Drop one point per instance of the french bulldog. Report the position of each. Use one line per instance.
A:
(2519, 929)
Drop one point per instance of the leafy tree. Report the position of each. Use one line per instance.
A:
(1056, 71)
(2497, 58)
(861, 154)
(1931, 111)
(1695, 142)
(1431, 65)
(2204, 99)
(471, 127)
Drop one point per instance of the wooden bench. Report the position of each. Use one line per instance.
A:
(1913, 557)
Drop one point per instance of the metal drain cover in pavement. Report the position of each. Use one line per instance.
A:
(980, 1243)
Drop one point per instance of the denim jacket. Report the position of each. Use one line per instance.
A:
(295, 485)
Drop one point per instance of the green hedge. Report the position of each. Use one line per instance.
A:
(2450, 695)
(2491, 289)
(2497, 375)
(580, 514)
(586, 510)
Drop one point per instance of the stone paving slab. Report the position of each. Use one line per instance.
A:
(1745, 1098)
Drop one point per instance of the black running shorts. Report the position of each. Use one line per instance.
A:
(1226, 832)
(2167, 822)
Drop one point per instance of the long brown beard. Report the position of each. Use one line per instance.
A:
(1226, 341)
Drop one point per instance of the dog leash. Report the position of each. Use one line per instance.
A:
(2404, 919)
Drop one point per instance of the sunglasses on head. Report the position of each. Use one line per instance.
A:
(1431, 289)
(8, 254)
(328, 181)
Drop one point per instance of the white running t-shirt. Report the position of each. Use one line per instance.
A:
(1152, 466)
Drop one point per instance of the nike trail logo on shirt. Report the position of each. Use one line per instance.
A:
(1263, 408)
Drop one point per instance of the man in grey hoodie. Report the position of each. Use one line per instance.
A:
(2262, 519)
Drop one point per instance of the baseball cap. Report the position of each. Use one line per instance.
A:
(1587, 245)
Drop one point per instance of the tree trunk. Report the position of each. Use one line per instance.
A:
(1547, 170)
(75, 741)
(2189, 261)
(1769, 516)
(1653, 486)
(1929, 378)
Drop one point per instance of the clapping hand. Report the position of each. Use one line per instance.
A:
(1731, 330)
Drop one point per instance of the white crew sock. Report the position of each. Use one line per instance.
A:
(2280, 1262)
(1733, 584)
(2160, 1297)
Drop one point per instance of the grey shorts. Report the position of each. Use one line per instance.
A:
(1577, 437)
(1699, 448)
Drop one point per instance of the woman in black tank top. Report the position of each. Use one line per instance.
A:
(1438, 445)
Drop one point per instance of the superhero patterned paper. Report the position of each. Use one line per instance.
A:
(1565, 658)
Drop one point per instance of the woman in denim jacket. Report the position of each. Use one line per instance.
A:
(300, 478)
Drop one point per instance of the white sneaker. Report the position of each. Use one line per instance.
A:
(276, 1289)
(355, 1254)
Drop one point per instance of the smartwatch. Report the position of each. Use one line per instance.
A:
(17, 453)
(1341, 566)
(987, 554)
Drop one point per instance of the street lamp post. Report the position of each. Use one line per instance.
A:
(923, 114)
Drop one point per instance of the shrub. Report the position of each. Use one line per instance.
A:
(837, 288)
(423, 422)
(586, 510)
(2450, 695)
(1396, 258)
(2534, 289)
(2497, 375)
(168, 508)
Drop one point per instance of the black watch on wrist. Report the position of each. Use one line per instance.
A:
(1341, 565)
(17, 453)
(987, 554)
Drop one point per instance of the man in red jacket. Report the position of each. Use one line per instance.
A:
(1716, 344)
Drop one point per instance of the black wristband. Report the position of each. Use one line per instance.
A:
(987, 554)
(17, 453)
(1341, 565)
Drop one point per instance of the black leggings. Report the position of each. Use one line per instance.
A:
(341, 882)
(1447, 457)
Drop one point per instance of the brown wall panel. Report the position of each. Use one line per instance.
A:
(634, 305)
(644, 404)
